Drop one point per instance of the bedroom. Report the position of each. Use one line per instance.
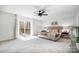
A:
(22, 30)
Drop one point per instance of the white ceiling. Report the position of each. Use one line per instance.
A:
(52, 10)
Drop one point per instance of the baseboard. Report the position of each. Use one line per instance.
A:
(7, 38)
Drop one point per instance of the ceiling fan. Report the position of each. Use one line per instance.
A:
(41, 11)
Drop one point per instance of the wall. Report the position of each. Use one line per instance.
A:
(77, 23)
(77, 19)
(7, 26)
(62, 20)
(36, 25)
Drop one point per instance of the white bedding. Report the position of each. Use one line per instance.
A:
(34, 44)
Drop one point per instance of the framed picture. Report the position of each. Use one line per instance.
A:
(54, 23)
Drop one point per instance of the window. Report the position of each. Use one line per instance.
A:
(24, 27)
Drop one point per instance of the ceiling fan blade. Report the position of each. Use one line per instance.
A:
(45, 14)
(35, 12)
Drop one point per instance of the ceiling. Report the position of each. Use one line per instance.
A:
(52, 10)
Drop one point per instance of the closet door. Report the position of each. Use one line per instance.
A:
(7, 26)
